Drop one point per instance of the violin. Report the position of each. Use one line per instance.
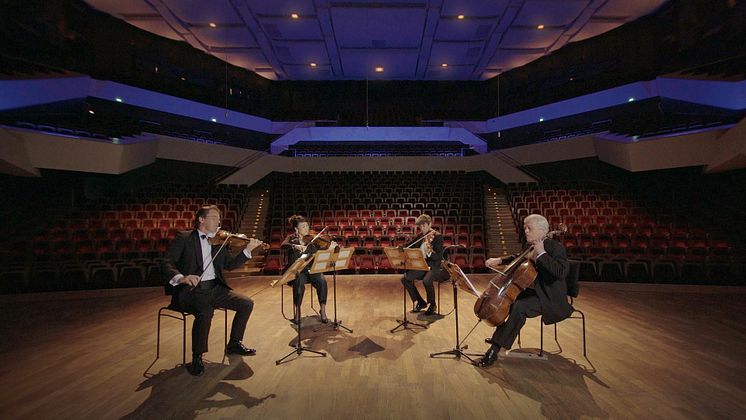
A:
(233, 240)
(493, 306)
(322, 241)
(428, 238)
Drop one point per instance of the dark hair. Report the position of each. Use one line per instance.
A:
(295, 220)
(202, 212)
(422, 219)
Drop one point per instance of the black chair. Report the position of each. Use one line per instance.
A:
(176, 313)
(573, 289)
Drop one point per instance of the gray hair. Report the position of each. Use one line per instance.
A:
(538, 221)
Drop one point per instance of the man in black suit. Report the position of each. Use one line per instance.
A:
(198, 287)
(547, 297)
(432, 247)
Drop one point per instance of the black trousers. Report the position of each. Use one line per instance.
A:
(202, 301)
(427, 277)
(527, 305)
(318, 281)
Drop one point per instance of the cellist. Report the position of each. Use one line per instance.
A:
(547, 297)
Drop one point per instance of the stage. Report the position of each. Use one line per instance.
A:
(654, 351)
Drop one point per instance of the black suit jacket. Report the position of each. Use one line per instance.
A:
(550, 284)
(184, 256)
(292, 254)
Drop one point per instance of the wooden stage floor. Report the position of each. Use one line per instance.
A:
(653, 352)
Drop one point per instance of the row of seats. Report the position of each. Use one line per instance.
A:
(380, 264)
(615, 223)
(659, 271)
(73, 275)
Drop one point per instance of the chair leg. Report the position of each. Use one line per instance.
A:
(541, 337)
(183, 340)
(158, 337)
(225, 342)
(582, 318)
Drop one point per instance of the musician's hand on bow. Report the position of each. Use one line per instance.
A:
(333, 245)
(299, 248)
(191, 280)
(493, 262)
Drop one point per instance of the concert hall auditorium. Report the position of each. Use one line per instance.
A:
(373, 209)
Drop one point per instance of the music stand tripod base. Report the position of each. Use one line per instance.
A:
(333, 260)
(298, 347)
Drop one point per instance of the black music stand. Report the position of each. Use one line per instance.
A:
(331, 260)
(297, 266)
(409, 259)
(458, 279)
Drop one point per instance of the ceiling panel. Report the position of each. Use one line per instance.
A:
(525, 37)
(472, 8)
(508, 59)
(287, 28)
(347, 38)
(196, 11)
(303, 8)
(456, 53)
(359, 64)
(628, 9)
(238, 36)
(302, 53)
(399, 27)
(464, 30)
(592, 29)
(549, 12)
(250, 59)
(157, 26)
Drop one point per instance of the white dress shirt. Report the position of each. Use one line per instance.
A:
(208, 270)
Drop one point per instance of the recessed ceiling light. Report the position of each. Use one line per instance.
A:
(379, 69)
(460, 17)
(213, 25)
(294, 15)
(540, 27)
(90, 111)
(313, 64)
(118, 99)
(213, 119)
(444, 65)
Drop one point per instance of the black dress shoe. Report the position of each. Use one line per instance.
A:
(419, 307)
(238, 348)
(489, 358)
(431, 309)
(196, 368)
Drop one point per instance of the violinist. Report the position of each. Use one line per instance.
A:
(547, 296)
(295, 245)
(431, 243)
(197, 286)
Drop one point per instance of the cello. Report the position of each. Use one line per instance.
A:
(493, 306)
